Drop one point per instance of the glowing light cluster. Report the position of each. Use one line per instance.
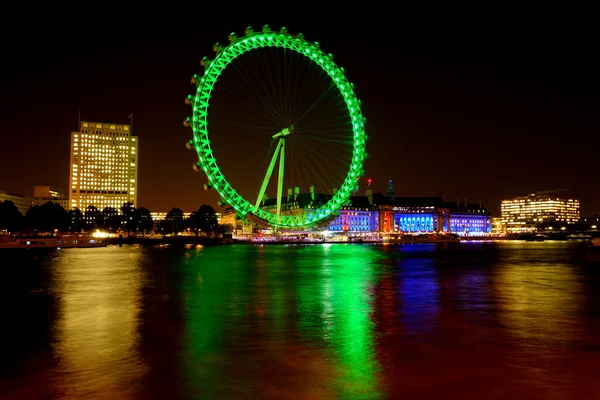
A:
(104, 161)
(201, 143)
(523, 214)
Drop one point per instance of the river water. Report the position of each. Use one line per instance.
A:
(505, 320)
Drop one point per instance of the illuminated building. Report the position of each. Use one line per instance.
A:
(389, 213)
(46, 193)
(526, 213)
(433, 214)
(161, 216)
(104, 165)
(21, 202)
(358, 216)
(498, 225)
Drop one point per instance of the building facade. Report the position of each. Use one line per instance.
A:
(433, 215)
(46, 193)
(527, 213)
(104, 166)
(387, 213)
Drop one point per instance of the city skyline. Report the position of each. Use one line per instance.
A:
(457, 119)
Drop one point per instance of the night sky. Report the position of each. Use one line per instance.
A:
(487, 114)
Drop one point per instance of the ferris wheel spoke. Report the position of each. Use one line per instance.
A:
(333, 161)
(314, 105)
(254, 110)
(321, 165)
(262, 70)
(297, 91)
(345, 142)
(319, 116)
(262, 99)
(241, 124)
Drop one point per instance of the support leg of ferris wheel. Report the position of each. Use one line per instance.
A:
(280, 178)
(280, 148)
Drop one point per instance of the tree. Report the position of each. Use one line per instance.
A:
(93, 217)
(207, 219)
(174, 221)
(227, 229)
(48, 217)
(143, 219)
(193, 222)
(11, 218)
(128, 211)
(112, 219)
(76, 220)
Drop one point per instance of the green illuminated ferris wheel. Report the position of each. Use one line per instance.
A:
(270, 97)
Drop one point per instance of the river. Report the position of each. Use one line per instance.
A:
(499, 320)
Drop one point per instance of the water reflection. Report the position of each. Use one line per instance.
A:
(418, 291)
(336, 308)
(212, 304)
(479, 321)
(96, 333)
(540, 305)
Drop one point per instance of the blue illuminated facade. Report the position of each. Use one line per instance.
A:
(415, 223)
(432, 214)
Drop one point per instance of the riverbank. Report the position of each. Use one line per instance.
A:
(171, 240)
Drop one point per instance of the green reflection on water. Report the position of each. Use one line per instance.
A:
(276, 320)
(336, 309)
(214, 287)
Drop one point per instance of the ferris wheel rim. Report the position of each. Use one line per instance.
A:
(199, 123)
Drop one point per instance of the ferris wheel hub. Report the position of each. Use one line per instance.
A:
(284, 132)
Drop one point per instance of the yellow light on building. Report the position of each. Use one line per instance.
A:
(103, 166)
(523, 214)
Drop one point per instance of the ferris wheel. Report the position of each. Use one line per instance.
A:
(270, 97)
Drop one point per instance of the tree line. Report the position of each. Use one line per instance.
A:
(52, 217)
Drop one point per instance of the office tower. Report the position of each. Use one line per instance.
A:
(104, 164)
(526, 213)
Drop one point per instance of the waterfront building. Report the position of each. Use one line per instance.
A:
(104, 166)
(433, 215)
(498, 226)
(46, 193)
(161, 216)
(358, 215)
(22, 203)
(374, 213)
(527, 213)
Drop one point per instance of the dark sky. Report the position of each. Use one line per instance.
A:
(487, 113)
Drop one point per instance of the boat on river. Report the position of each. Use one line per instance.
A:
(407, 238)
(51, 242)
